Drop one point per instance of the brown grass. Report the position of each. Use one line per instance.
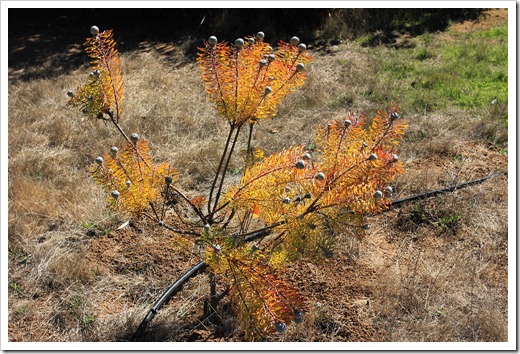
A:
(408, 280)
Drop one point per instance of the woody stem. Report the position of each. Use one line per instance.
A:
(217, 173)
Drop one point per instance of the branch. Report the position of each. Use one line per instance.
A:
(224, 170)
(213, 185)
(193, 206)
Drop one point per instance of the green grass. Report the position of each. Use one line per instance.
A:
(466, 70)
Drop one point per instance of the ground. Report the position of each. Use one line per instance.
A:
(429, 270)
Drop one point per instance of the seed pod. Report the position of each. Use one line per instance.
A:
(161, 223)
(348, 122)
(70, 93)
(307, 196)
(306, 156)
(84, 111)
(297, 199)
(207, 227)
(128, 183)
(99, 160)
(263, 62)
(320, 176)
(378, 194)
(260, 35)
(394, 116)
(212, 40)
(268, 90)
(389, 190)
(239, 43)
(372, 157)
(280, 326)
(300, 67)
(295, 40)
(94, 30)
(329, 125)
(115, 194)
(113, 150)
(364, 144)
(168, 179)
(96, 73)
(300, 164)
(251, 40)
(286, 200)
(271, 57)
(395, 158)
(134, 137)
(302, 47)
(366, 227)
(329, 254)
(298, 316)
(90, 98)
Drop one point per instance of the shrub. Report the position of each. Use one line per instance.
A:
(287, 206)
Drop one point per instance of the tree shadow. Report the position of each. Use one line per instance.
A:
(45, 43)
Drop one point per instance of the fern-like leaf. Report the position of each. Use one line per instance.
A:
(248, 83)
(264, 302)
(139, 182)
(103, 92)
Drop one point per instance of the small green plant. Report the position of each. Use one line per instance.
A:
(14, 286)
(21, 310)
(448, 221)
(422, 214)
(88, 320)
(290, 205)
(457, 157)
(75, 302)
(87, 224)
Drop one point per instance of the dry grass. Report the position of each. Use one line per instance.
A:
(409, 280)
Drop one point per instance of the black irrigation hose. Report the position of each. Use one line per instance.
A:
(167, 295)
(447, 189)
(177, 286)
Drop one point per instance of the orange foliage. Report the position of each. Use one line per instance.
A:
(104, 89)
(248, 83)
(349, 171)
(139, 182)
(264, 302)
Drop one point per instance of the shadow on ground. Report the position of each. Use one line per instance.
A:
(44, 43)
